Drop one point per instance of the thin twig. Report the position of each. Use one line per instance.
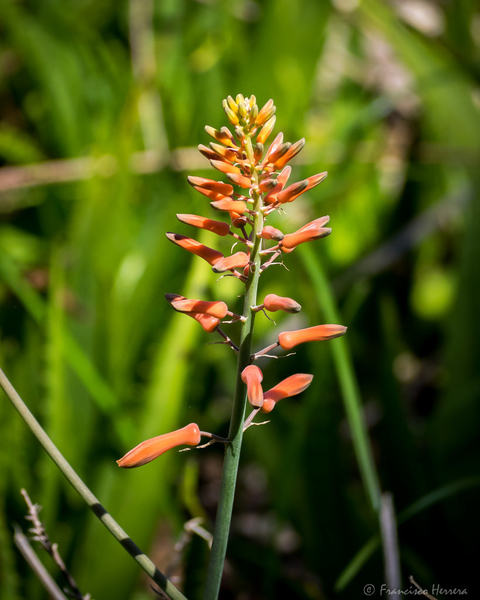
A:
(28, 553)
(424, 592)
(42, 538)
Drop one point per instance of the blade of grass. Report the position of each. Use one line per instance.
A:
(411, 511)
(99, 511)
(347, 380)
(73, 353)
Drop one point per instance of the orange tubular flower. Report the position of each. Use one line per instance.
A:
(265, 113)
(236, 206)
(282, 179)
(209, 254)
(225, 189)
(292, 240)
(225, 167)
(208, 322)
(291, 386)
(274, 146)
(289, 194)
(218, 227)
(294, 149)
(290, 339)
(221, 136)
(266, 130)
(239, 260)
(239, 179)
(320, 222)
(215, 309)
(272, 303)
(253, 377)
(270, 233)
(155, 447)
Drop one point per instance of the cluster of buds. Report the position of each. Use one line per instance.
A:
(256, 187)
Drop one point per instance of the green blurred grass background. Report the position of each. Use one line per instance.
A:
(102, 105)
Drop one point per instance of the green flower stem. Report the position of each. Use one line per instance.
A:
(232, 450)
(99, 511)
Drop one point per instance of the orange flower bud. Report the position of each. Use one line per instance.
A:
(292, 240)
(253, 376)
(240, 180)
(266, 130)
(272, 303)
(291, 386)
(225, 167)
(225, 153)
(211, 194)
(216, 309)
(208, 322)
(226, 131)
(225, 189)
(258, 151)
(231, 116)
(220, 136)
(208, 152)
(267, 184)
(218, 227)
(265, 113)
(236, 206)
(270, 233)
(209, 254)
(275, 145)
(290, 339)
(282, 179)
(278, 152)
(292, 191)
(237, 219)
(155, 447)
(320, 222)
(239, 260)
(281, 161)
(232, 104)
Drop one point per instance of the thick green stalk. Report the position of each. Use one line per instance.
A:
(113, 527)
(232, 450)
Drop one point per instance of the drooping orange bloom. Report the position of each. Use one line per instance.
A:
(266, 130)
(320, 222)
(235, 206)
(272, 303)
(287, 196)
(290, 339)
(225, 189)
(271, 233)
(225, 167)
(208, 322)
(294, 149)
(291, 386)
(216, 309)
(265, 113)
(253, 377)
(218, 227)
(239, 179)
(307, 233)
(155, 447)
(282, 179)
(221, 136)
(209, 254)
(239, 260)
